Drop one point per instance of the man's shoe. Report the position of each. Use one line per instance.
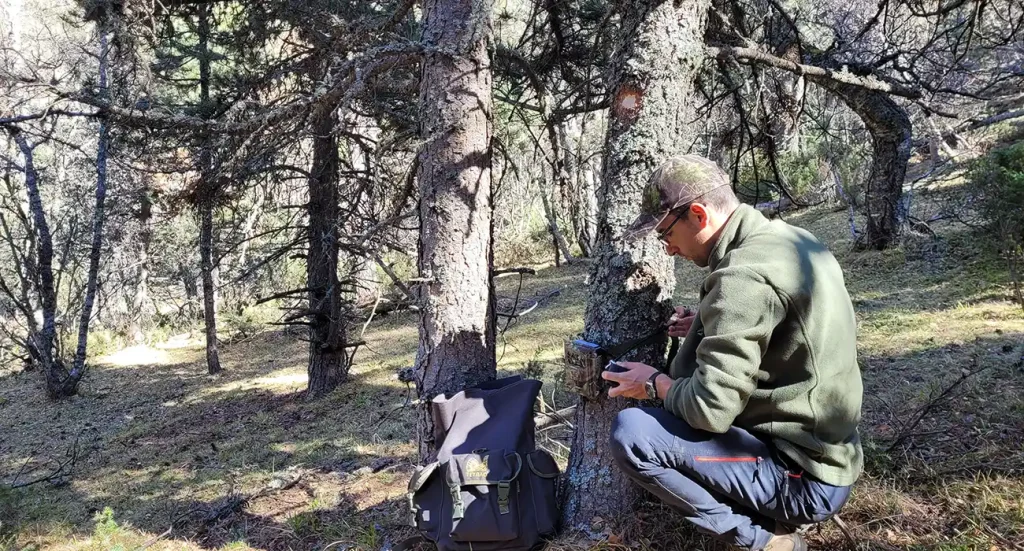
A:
(787, 542)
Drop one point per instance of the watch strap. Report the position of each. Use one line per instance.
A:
(652, 386)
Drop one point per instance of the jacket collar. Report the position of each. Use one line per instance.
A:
(744, 220)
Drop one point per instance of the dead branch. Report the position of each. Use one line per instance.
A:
(59, 476)
(907, 431)
(232, 503)
(813, 73)
(545, 420)
(497, 274)
(394, 278)
(152, 541)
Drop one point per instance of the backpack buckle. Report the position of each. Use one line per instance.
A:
(458, 509)
(503, 491)
(413, 510)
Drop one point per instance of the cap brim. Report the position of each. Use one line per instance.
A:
(643, 225)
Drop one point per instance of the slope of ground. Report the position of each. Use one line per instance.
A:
(166, 457)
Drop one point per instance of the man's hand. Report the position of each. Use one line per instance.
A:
(630, 382)
(680, 322)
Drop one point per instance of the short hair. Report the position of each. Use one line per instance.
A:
(721, 198)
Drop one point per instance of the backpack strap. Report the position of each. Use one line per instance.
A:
(419, 478)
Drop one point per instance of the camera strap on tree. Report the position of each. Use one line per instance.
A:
(620, 350)
(584, 362)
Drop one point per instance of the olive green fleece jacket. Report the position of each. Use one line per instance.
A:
(773, 348)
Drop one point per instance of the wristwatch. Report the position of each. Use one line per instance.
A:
(651, 387)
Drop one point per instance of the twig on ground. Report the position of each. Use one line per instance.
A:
(907, 430)
(58, 476)
(152, 541)
(846, 531)
(231, 504)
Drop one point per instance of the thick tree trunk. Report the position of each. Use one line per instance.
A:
(652, 95)
(328, 363)
(78, 367)
(455, 256)
(42, 339)
(891, 134)
(207, 196)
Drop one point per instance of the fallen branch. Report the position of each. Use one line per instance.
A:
(559, 417)
(505, 272)
(232, 503)
(59, 476)
(152, 541)
(907, 430)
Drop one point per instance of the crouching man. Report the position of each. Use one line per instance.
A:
(758, 430)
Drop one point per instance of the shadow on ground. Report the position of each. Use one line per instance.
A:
(163, 444)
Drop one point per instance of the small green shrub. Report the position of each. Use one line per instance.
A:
(106, 526)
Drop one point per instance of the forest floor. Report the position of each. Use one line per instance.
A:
(167, 457)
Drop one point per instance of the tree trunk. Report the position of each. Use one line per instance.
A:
(891, 134)
(209, 300)
(78, 367)
(328, 363)
(632, 283)
(556, 234)
(588, 228)
(455, 254)
(141, 295)
(43, 337)
(188, 281)
(207, 200)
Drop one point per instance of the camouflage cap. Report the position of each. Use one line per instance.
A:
(677, 182)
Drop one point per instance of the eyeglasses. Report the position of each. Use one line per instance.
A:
(663, 234)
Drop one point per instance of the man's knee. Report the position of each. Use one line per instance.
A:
(628, 445)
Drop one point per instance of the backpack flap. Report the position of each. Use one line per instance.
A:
(484, 490)
(425, 499)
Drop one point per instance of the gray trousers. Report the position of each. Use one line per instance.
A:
(733, 486)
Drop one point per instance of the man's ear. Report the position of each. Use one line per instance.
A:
(700, 214)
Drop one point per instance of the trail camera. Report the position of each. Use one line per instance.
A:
(584, 362)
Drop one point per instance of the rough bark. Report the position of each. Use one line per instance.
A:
(891, 144)
(43, 337)
(78, 367)
(457, 336)
(328, 363)
(209, 300)
(207, 196)
(632, 283)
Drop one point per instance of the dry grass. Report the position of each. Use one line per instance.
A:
(162, 443)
